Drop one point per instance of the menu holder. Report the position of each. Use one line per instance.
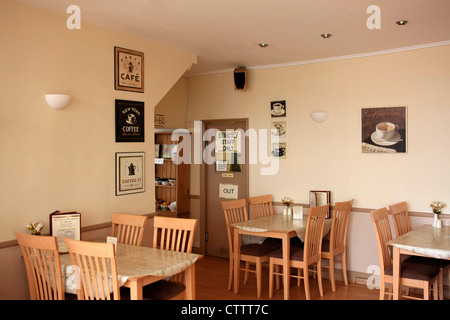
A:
(65, 225)
(320, 198)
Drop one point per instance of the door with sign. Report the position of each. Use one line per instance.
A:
(225, 177)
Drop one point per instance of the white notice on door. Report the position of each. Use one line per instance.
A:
(228, 191)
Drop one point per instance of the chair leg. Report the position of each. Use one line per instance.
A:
(270, 279)
(277, 276)
(258, 278)
(319, 277)
(247, 266)
(306, 280)
(382, 289)
(344, 266)
(426, 292)
(230, 273)
(441, 284)
(332, 276)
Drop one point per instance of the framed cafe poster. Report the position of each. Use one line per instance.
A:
(128, 70)
(130, 172)
(130, 121)
(278, 108)
(65, 225)
(383, 130)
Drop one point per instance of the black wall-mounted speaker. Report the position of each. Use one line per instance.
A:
(240, 79)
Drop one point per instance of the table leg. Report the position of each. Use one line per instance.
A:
(135, 290)
(189, 274)
(286, 265)
(396, 272)
(237, 261)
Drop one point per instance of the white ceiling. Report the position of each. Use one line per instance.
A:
(225, 33)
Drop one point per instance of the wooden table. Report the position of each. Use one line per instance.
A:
(277, 226)
(424, 241)
(138, 266)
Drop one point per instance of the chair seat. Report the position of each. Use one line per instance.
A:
(417, 271)
(296, 253)
(162, 290)
(275, 242)
(257, 250)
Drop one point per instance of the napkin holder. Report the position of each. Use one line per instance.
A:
(298, 213)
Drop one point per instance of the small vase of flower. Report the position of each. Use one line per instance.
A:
(437, 209)
(35, 228)
(287, 203)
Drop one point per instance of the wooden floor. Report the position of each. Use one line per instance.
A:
(212, 284)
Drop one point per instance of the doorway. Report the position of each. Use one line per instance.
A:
(224, 177)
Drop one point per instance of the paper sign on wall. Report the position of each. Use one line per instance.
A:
(228, 191)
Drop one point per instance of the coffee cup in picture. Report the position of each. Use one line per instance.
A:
(386, 130)
(278, 107)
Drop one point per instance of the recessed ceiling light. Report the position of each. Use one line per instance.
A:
(325, 35)
(401, 22)
(263, 45)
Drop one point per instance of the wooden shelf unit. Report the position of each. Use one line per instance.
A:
(169, 170)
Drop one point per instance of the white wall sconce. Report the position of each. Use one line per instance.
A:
(319, 116)
(58, 101)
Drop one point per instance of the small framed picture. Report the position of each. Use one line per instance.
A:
(130, 172)
(278, 108)
(278, 150)
(278, 129)
(384, 130)
(130, 121)
(128, 70)
(65, 225)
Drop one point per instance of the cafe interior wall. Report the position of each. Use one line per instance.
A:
(327, 156)
(65, 159)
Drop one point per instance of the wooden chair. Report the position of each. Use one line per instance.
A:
(43, 267)
(261, 206)
(301, 257)
(97, 261)
(402, 224)
(174, 234)
(128, 228)
(236, 211)
(337, 244)
(416, 275)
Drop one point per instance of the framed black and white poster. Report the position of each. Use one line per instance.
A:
(383, 130)
(130, 172)
(278, 108)
(128, 70)
(130, 121)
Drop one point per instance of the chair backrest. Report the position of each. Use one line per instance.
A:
(400, 216)
(339, 225)
(175, 234)
(383, 232)
(96, 269)
(128, 228)
(43, 267)
(261, 206)
(235, 211)
(314, 233)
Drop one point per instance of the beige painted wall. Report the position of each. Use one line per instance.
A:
(327, 156)
(65, 159)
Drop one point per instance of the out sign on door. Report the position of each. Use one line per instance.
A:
(228, 191)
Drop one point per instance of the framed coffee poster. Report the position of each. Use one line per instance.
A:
(65, 225)
(128, 70)
(130, 121)
(130, 172)
(383, 130)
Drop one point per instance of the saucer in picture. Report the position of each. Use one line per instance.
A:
(278, 113)
(390, 142)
